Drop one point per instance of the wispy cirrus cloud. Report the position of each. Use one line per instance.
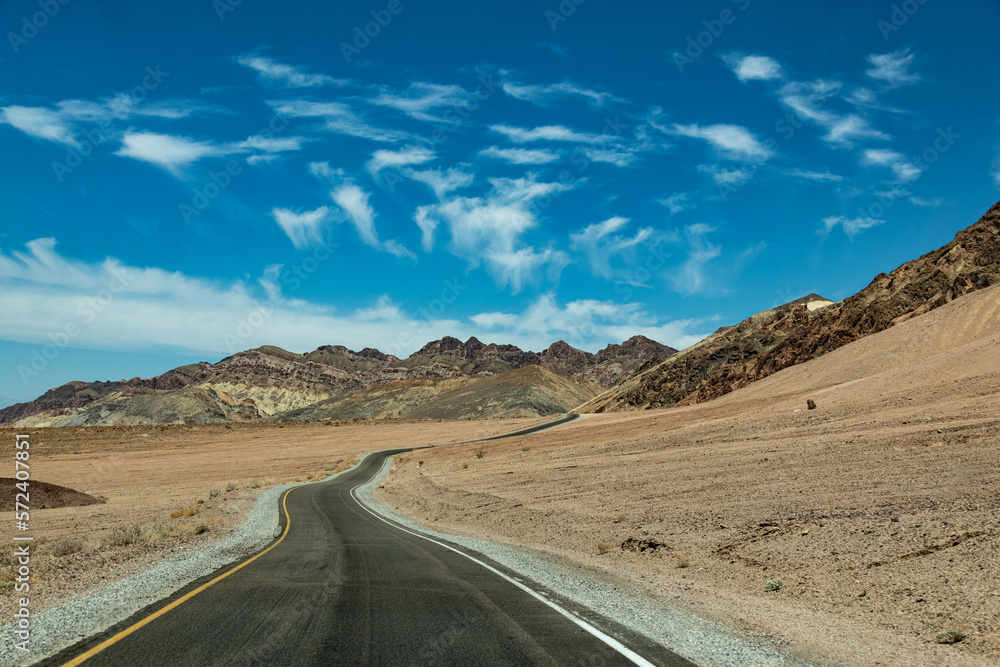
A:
(901, 167)
(733, 142)
(272, 71)
(490, 230)
(40, 123)
(807, 100)
(520, 155)
(892, 69)
(753, 67)
(544, 94)
(817, 176)
(442, 182)
(338, 118)
(523, 135)
(602, 243)
(677, 202)
(422, 100)
(304, 229)
(692, 277)
(172, 153)
(399, 158)
(850, 226)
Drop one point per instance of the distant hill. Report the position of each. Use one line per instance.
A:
(270, 383)
(734, 357)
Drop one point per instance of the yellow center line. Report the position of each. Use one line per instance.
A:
(179, 601)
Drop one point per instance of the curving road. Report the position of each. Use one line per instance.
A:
(345, 586)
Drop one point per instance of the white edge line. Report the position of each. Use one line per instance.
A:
(610, 641)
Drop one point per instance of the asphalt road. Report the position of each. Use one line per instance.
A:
(344, 587)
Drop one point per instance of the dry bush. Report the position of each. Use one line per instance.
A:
(683, 559)
(480, 453)
(603, 547)
(951, 635)
(230, 487)
(775, 584)
(66, 548)
(619, 518)
(135, 534)
(201, 528)
(811, 404)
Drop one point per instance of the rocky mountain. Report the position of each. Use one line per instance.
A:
(271, 383)
(805, 329)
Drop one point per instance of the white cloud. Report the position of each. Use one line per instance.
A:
(619, 158)
(394, 247)
(442, 182)
(542, 94)
(586, 324)
(353, 201)
(903, 169)
(806, 100)
(601, 243)
(489, 230)
(851, 226)
(420, 99)
(892, 69)
(818, 176)
(731, 141)
(270, 144)
(723, 176)
(522, 135)
(520, 155)
(405, 156)
(692, 276)
(115, 306)
(338, 118)
(677, 202)
(304, 229)
(753, 68)
(272, 71)
(40, 123)
(167, 151)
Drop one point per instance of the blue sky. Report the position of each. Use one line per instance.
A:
(184, 180)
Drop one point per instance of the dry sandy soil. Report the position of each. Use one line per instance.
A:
(879, 511)
(144, 474)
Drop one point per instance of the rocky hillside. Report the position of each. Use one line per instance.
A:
(773, 340)
(271, 383)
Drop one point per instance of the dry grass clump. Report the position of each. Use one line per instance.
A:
(135, 534)
(683, 559)
(603, 547)
(773, 585)
(200, 528)
(230, 487)
(480, 453)
(66, 548)
(186, 512)
(951, 635)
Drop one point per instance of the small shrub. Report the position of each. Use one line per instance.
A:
(603, 547)
(176, 514)
(101, 500)
(213, 493)
(201, 528)
(255, 485)
(136, 534)
(310, 476)
(525, 449)
(811, 404)
(480, 453)
(464, 466)
(683, 559)
(66, 548)
(230, 487)
(951, 635)
(619, 518)
(200, 501)
(420, 464)
(775, 584)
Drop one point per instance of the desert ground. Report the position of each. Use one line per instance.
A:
(144, 474)
(878, 511)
